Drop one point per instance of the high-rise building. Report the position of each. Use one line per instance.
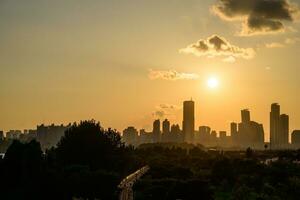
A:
(156, 131)
(234, 132)
(213, 137)
(274, 125)
(188, 124)
(296, 138)
(222, 134)
(279, 128)
(166, 126)
(203, 135)
(250, 133)
(145, 137)
(176, 134)
(245, 116)
(284, 131)
(130, 136)
(166, 131)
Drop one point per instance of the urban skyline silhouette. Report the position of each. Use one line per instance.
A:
(149, 100)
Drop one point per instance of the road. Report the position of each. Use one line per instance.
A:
(127, 183)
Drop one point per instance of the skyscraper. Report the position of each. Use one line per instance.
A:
(250, 133)
(166, 126)
(279, 128)
(274, 125)
(188, 123)
(234, 132)
(245, 116)
(166, 131)
(296, 138)
(284, 131)
(156, 131)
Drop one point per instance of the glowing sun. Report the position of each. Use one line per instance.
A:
(212, 82)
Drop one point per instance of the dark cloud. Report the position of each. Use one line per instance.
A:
(218, 46)
(259, 16)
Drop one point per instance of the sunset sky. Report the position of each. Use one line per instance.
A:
(127, 62)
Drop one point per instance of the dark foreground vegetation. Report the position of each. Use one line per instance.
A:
(89, 162)
(196, 174)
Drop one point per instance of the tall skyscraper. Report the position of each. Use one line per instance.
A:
(245, 116)
(284, 131)
(166, 137)
(188, 123)
(274, 125)
(156, 131)
(279, 128)
(166, 126)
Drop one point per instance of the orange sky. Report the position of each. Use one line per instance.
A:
(120, 62)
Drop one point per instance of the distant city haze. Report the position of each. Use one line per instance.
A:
(128, 63)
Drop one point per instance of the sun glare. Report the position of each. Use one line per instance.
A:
(212, 82)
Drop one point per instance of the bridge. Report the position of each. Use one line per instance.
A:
(127, 183)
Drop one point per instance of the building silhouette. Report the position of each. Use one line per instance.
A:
(166, 136)
(279, 128)
(188, 124)
(203, 135)
(250, 133)
(49, 136)
(156, 131)
(295, 137)
(130, 136)
(145, 137)
(274, 125)
(284, 131)
(13, 134)
(245, 116)
(223, 140)
(234, 132)
(176, 134)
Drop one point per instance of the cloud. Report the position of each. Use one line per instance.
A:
(165, 111)
(292, 40)
(258, 16)
(171, 75)
(286, 42)
(274, 45)
(229, 59)
(218, 46)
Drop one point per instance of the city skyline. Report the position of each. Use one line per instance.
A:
(243, 134)
(130, 62)
(246, 133)
(190, 105)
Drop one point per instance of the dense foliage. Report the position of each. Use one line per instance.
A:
(192, 174)
(89, 162)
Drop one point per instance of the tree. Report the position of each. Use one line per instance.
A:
(90, 145)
